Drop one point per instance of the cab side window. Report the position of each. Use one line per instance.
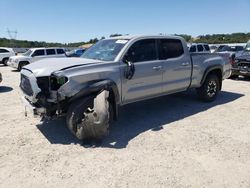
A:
(38, 53)
(143, 50)
(50, 51)
(60, 51)
(170, 48)
(4, 51)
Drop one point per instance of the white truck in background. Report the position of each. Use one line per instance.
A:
(33, 55)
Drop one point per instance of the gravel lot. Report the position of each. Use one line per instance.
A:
(173, 141)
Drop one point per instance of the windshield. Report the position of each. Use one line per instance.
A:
(105, 50)
(28, 53)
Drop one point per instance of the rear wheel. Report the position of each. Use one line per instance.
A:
(5, 61)
(210, 88)
(76, 124)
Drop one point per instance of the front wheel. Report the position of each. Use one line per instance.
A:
(209, 90)
(82, 129)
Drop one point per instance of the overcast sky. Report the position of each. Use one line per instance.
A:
(79, 20)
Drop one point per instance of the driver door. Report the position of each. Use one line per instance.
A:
(147, 79)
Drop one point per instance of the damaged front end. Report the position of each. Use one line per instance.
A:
(41, 94)
(89, 110)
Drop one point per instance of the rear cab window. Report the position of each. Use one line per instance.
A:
(206, 47)
(200, 48)
(50, 51)
(170, 48)
(192, 48)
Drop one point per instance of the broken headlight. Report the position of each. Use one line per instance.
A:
(57, 82)
(61, 80)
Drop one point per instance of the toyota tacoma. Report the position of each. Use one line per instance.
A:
(115, 72)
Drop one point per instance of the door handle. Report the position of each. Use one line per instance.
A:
(157, 68)
(185, 64)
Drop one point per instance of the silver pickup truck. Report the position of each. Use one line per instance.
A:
(114, 72)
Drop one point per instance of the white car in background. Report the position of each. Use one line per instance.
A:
(5, 54)
(33, 55)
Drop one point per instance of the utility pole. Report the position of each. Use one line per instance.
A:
(13, 36)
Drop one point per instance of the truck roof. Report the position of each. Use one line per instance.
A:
(6, 48)
(44, 48)
(129, 37)
(199, 43)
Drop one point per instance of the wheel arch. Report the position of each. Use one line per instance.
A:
(22, 62)
(216, 70)
(96, 88)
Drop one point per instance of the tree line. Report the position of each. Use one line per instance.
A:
(212, 39)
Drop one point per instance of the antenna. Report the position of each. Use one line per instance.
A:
(12, 35)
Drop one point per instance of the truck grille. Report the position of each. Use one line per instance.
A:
(44, 84)
(244, 65)
(25, 85)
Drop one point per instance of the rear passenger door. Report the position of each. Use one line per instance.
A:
(51, 53)
(176, 65)
(147, 79)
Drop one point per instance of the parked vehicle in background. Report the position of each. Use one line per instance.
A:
(33, 55)
(242, 63)
(75, 53)
(5, 54)
(199, 47)
(247, 48)
(230, 52)
(227, 48)
(212, 48)
(115, 72)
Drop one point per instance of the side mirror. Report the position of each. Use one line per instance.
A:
(130, 70)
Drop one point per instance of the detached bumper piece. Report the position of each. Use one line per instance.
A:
(36, 111)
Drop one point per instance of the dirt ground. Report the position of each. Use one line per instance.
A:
(173, 141)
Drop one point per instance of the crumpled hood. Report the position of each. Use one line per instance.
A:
(45, 67)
